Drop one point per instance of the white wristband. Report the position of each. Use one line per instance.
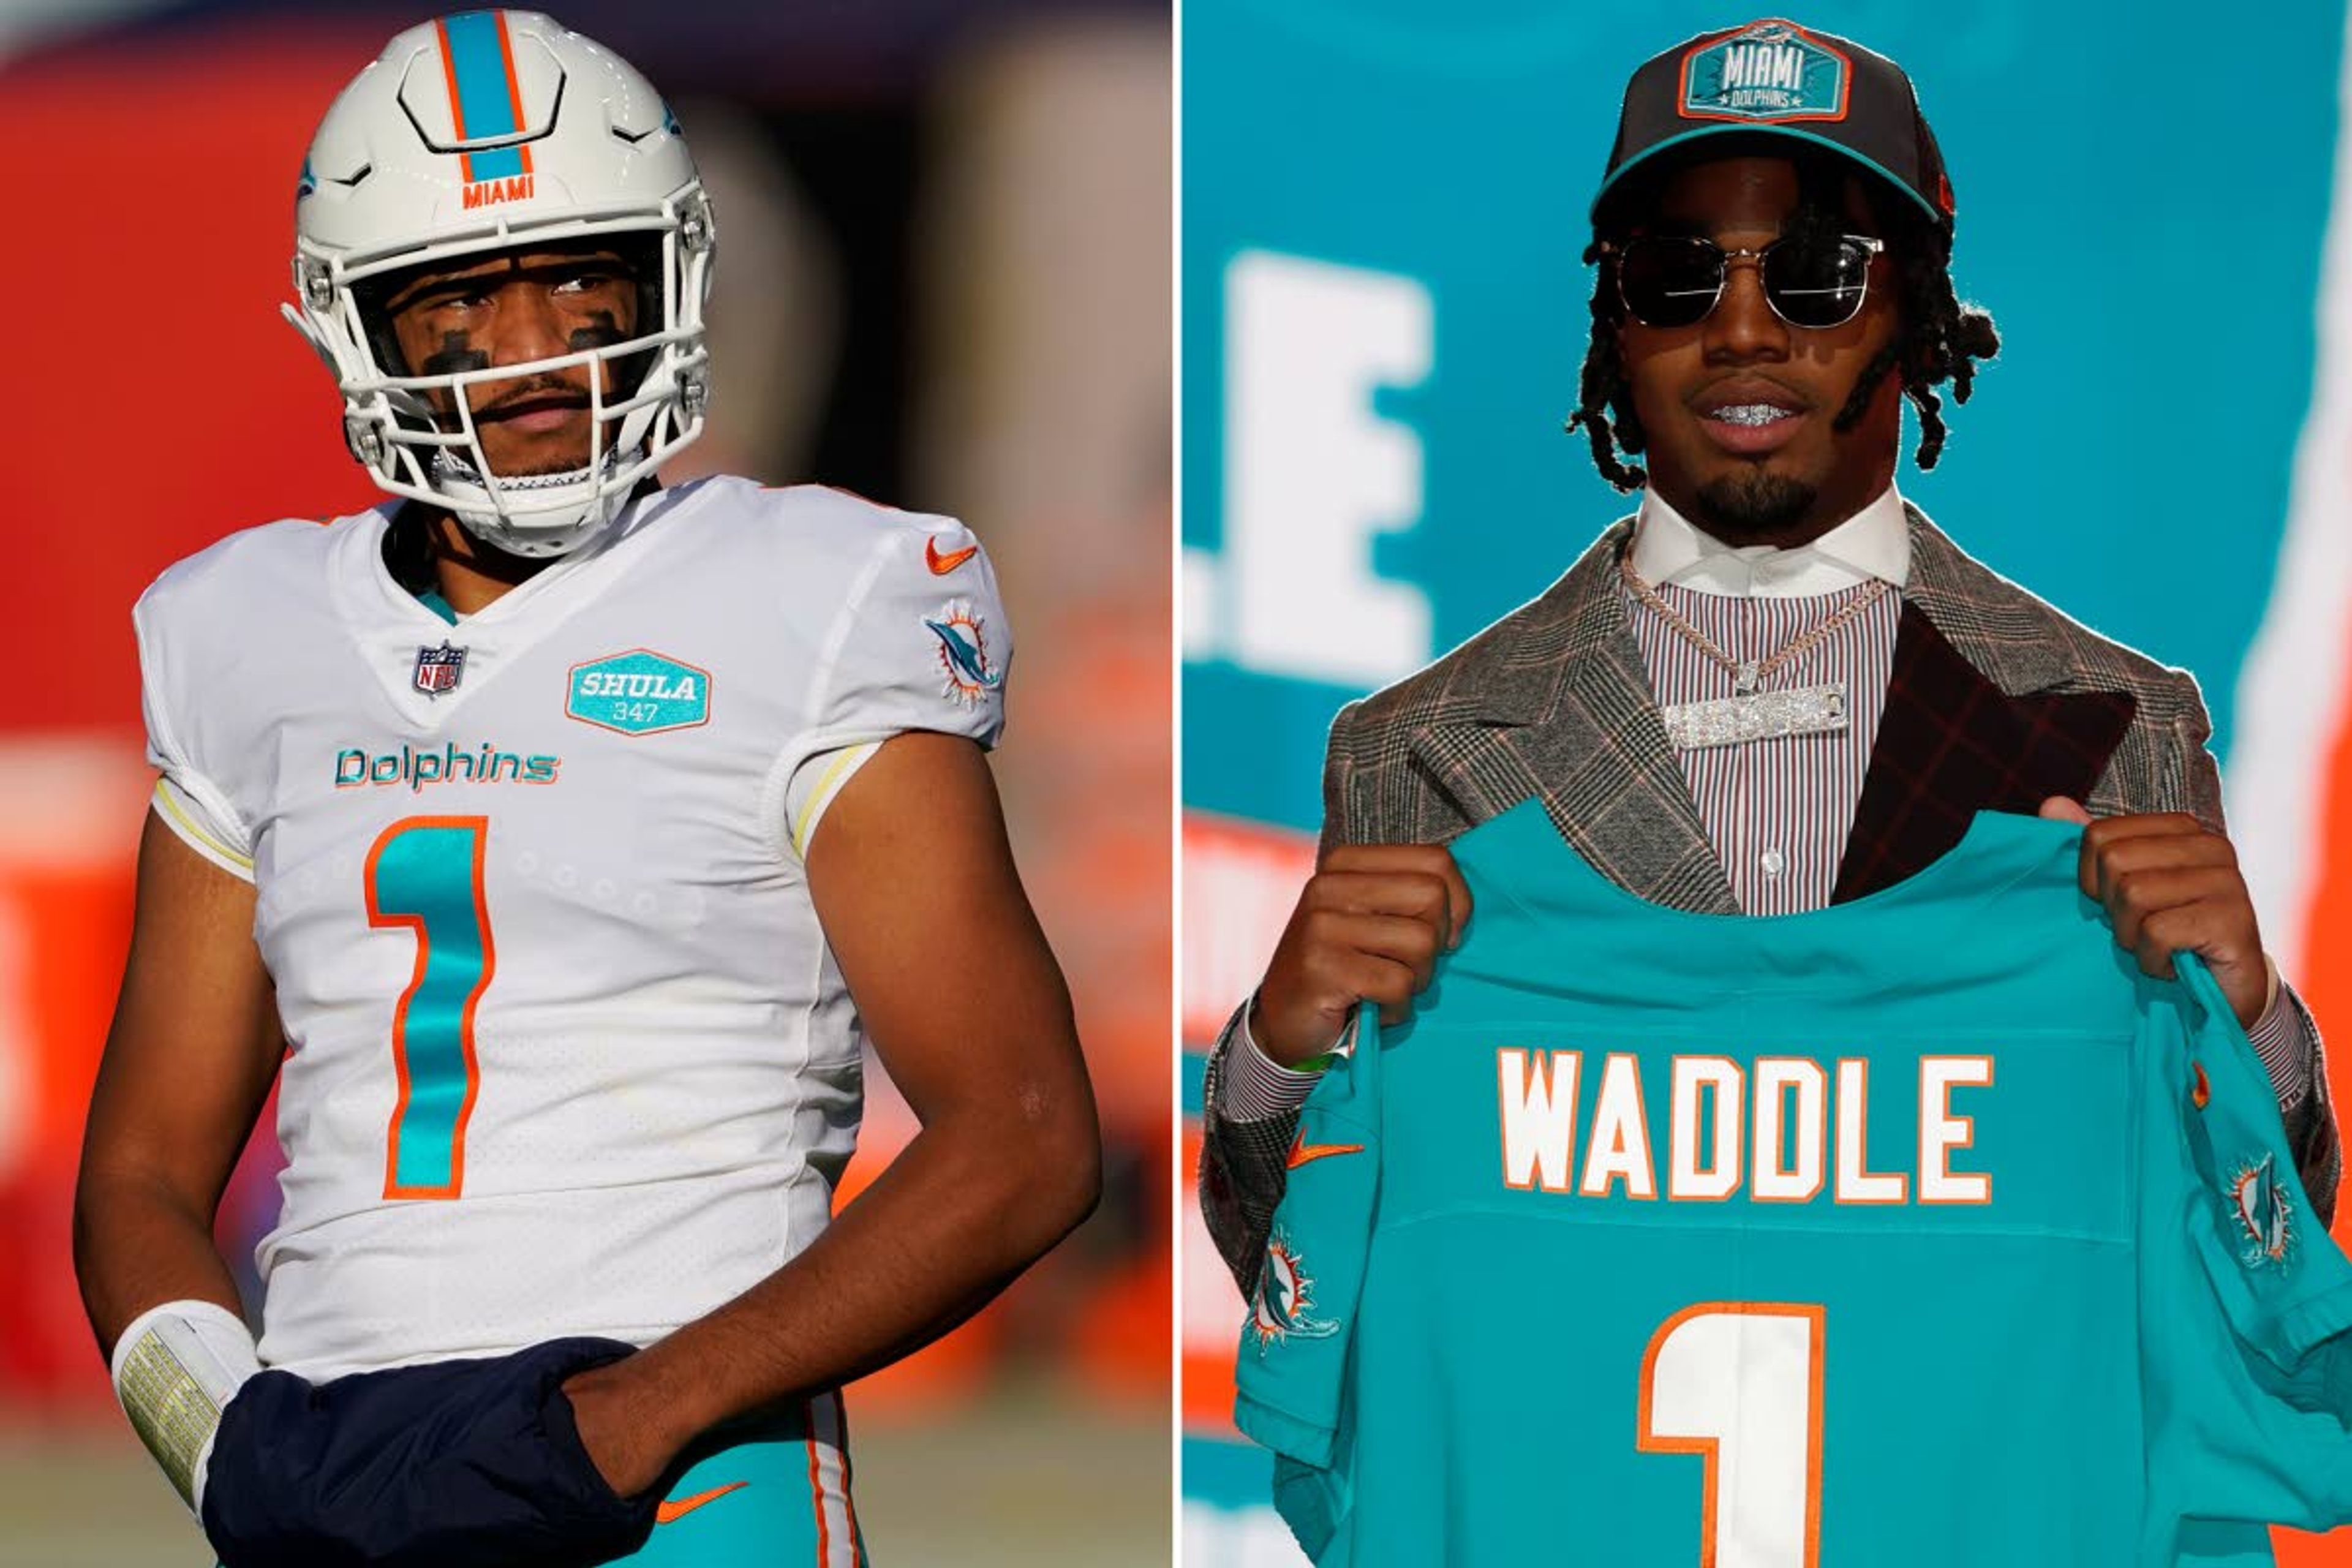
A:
(176, 1369)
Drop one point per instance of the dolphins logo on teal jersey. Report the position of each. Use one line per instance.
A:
(1284, 1293)
(2263, 1210)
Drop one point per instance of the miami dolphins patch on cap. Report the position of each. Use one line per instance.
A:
(1766, 71)
(639, 692)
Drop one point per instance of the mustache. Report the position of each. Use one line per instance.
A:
(537, 395)
(540, 390)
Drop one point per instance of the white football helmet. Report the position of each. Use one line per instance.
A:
(483, 131)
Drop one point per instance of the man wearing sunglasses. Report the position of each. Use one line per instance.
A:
(1777, 685)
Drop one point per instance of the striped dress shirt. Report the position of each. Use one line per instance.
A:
(1778, 811)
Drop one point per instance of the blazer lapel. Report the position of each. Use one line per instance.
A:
(1969, 725)
(1561, 709)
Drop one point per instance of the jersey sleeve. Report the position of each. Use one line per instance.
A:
(921, 643)
(2247, 1309)
(191, 803)
(1295, 1368)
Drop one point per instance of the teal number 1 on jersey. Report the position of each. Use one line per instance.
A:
(426, 873)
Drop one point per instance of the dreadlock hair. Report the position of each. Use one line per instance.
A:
(1940, 341)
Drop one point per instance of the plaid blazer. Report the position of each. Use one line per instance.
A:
(1996, 701)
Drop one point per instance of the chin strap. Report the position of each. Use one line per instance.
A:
(468, 498)
(452, 470)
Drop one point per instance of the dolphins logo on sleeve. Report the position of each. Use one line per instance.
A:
(1285, 1292)
(963, 653)
(2263, 1210)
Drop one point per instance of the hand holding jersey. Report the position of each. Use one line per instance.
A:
(1370, 923)
(1367, 927)
(2170, 885)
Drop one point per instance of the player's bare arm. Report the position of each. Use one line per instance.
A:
(920, 903)
(1367, 927)
(188, 1064)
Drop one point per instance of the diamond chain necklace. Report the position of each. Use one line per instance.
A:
(1746, 674)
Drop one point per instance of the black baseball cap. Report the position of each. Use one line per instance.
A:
(1774, 77)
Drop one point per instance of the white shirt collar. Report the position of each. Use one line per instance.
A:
(1874, 543)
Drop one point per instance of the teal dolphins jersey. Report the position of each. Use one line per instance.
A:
(1921, 1229)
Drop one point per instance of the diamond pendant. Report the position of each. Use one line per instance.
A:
(1766, 715)
(1745, 680)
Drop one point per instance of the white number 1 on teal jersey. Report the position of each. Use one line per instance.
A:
(1740, 1383)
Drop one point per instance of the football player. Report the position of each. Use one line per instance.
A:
(557, 841)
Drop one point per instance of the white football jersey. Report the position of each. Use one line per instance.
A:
(570, 1054)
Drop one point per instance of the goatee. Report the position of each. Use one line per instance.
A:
(1753, 508)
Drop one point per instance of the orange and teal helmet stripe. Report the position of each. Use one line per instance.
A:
(484, 99)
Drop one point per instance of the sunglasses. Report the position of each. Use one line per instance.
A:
(1677, 280)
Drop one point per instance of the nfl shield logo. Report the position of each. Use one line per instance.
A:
(438, 669)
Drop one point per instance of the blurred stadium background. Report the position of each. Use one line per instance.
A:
(1384, 314)
(944, 282)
